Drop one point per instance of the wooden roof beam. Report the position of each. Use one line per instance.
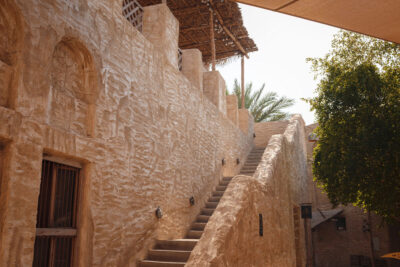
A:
(227, 31)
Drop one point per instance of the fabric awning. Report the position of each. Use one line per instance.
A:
(319, 217)
(375, 18)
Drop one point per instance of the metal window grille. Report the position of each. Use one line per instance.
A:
(180, 59)
(56, 219)
(133, 12)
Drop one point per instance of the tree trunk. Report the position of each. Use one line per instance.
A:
(371, 241)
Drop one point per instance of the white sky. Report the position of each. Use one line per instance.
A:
(284, 42)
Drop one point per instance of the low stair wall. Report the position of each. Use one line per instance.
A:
(231, 237)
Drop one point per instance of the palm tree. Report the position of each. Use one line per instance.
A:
(263, 107)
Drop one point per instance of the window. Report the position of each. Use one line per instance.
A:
(56, 217)
(341, 224)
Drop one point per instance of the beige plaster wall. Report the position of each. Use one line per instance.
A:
(231, 237)
(214, 89)
(264, 131)
(192, 67)
(232, 109)
(145, 135)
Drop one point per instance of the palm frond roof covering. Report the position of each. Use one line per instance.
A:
(194, 20)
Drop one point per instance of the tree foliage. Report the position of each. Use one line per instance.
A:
(357, 158)
(263, 107)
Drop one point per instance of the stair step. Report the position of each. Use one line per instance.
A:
(217, 193)
(211, 205)
(202, 218)
(251, 163)
(214, 199)
(198, 226)
(220, 188)
(176, 244)
(224, 183)
(249, 168)
(227, 178)
(205, 211)
(254, 157)
(148, 263)
(195, 234)
(168, 255)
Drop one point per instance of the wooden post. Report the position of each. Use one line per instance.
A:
(242, 100)
(212, 39)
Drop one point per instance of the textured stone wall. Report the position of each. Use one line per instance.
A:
(214, 89)
(145, 135)
(264, 131)
(232, 109)
(231, 237)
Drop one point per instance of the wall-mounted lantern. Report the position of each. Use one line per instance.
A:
(159, 213)
(261, 226)
(237, 161)
(306, 211)
(254, 135)
(223, 162)
(191, 201)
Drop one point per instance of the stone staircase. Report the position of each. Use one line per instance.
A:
(175, 253)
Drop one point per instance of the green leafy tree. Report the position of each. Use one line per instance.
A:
(263, 107)
(357, 158)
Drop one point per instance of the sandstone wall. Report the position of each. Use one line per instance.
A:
(264, 131)
(94, 90)
(231, 237)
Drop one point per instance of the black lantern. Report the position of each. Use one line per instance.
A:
(223, 162)
(306, 211)
(261, 225)
(159, 213)
(237, 161)
(191, 201)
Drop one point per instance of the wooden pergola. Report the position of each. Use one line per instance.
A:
(214, 27)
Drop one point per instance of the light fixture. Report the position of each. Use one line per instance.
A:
(237, 161)
(223, 162)
(159, 213)
(191, 201)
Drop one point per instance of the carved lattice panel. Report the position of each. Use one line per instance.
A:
(133, 12)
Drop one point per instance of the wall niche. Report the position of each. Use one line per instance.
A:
(73, 90)
(11, 32)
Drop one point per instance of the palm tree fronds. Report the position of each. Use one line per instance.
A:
(263, 106)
